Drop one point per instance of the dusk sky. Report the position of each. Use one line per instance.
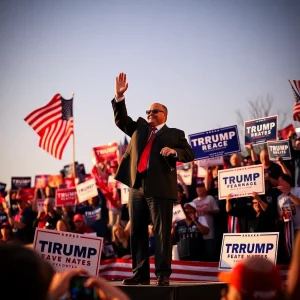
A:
(203, 59)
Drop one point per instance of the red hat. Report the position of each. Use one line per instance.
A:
(78, 217)
(255, 278)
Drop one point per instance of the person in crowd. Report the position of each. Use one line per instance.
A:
(153, 183)
(289, 212)
(251, 279)
(48, 218)
(259, 217)
(80, 226)
(3, 214)
(27, 276)
(115, 206)
(94, 216)
(67, 216)
(189, 234)
(121, 241)
(207, 206)
(62, 225)
(293, 277)
(6, 233)
(272, 170)
(294, 142)
(22, 222)
(181, 195)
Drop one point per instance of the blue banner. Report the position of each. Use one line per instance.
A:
(217, 142)
(20, 183)
(260, 130)
(279, 148)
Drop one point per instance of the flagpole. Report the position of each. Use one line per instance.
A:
(73, 144)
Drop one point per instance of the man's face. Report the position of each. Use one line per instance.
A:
(157, 118)
(264, 157)
(235, 160)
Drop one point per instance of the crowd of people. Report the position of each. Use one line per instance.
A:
(199, 236)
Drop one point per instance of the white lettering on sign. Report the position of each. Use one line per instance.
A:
(106, 150)
(214, 141)
(260, 129)
(279, 150)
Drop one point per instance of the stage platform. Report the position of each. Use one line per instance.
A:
(178, 290)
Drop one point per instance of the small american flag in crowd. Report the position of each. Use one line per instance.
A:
(54, 124)
(296, 92)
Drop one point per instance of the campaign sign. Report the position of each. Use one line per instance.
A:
(65, 250)
(55, 180)
(65, 197)
(217, 142)
(186, 172)
(210, 162)
(279, 148)
(26, 194)
(41, 181)
(241, 182)
(261, 130)
(124, 193)
(20, 183)
(239, 246)
(87, 190)
(178, 213)
(284, 133)
(106, 152)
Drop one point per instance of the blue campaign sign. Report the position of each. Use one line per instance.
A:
(217, 142)
(261, 130)
(279, 148)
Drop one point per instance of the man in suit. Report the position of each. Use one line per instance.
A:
(148, 167)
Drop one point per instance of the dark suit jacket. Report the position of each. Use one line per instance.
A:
(161, 181)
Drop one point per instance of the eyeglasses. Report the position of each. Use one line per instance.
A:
(154, 111)
(255, 202)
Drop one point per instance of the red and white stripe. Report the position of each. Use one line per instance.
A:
(43, 117)
(181, 270)
(56, 136)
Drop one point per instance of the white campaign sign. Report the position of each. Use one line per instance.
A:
(241, 182)
(178, 213)
(186, 175)
(238, 246)
(86, 190)
(65, 250)
(124, 193)
(209, 162)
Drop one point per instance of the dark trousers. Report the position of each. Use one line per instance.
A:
(161, 213)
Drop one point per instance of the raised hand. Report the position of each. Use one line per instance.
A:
(121, 85)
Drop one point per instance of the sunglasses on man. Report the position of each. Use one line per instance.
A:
(154, 111)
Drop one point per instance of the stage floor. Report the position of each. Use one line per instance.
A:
(178, 290)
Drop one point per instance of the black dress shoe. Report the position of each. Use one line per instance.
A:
(162, 281)
(136, 280)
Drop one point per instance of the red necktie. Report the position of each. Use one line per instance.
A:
(142, 166)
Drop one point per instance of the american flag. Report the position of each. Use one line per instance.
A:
(296, 92)
(54, 124)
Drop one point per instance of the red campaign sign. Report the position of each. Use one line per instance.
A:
(283, 133)
(65, 197)
(41, 181)
(106, 152)
(26, 194)
(69, 182)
